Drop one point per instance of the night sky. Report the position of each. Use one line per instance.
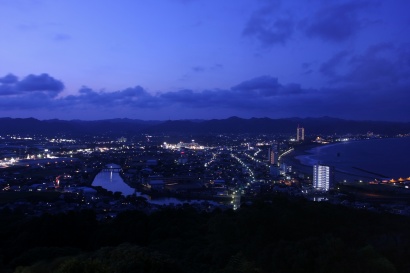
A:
(203, 59)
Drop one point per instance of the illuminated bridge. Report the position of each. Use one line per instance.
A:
(112, 168)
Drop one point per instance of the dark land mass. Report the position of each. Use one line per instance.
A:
(10, 197)
(54, 127)
(286, 126)
(233, 125)
(375, 193)
(278, 234)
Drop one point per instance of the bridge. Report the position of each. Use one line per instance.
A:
(112, 168)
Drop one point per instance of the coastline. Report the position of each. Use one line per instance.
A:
(300, 156)
(293, 158)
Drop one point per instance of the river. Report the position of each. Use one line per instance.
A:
(112, 181)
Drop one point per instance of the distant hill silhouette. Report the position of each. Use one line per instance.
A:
(30, 126)
(324, 125)
(234, 125)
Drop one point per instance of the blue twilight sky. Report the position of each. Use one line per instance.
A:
(203, 59)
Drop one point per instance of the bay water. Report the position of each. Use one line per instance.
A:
(385, 158)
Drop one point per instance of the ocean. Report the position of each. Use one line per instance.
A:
(387, 158)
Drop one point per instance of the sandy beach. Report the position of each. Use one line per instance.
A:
(292, 158)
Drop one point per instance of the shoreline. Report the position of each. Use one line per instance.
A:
(299, 151)
(299, 165)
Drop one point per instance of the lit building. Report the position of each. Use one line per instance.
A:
(274, 155)
(181, 145)
(322, 177)
(284, 168)
(300, 134)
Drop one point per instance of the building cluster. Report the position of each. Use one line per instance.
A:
(221, 170)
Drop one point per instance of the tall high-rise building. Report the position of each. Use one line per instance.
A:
(322, 177)
(300, 134)
(274, 154)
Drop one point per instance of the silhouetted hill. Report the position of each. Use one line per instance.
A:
(325, 125)
(234, 125)
(53, 127)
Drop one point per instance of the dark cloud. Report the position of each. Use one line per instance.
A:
(6, 90)
(372, 67)
(266, 86)
(40, 83)
(130, 97)
(258, 94)
(186, 96)
(200, 68)
(292, 89)
(307, 68)
(329, 67)
(380, 67)
(337, 22)
(8, 79)
(403, 56)
(373, 86)
(191, 99)
(269, 28)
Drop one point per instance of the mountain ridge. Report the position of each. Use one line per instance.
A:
(231, 125)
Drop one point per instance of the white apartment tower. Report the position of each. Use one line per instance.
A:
(322, 177)
(300, 134)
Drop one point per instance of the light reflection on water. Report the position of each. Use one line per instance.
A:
(112, 181)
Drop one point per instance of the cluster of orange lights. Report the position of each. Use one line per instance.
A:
(398, 180)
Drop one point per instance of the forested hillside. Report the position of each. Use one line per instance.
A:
(281, 235)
